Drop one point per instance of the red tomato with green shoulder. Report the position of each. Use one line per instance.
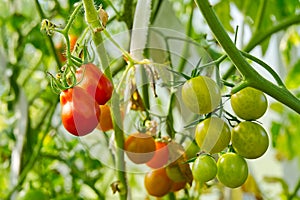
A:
(90, 78)
(79, 111)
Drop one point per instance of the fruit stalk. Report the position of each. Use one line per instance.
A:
(250, 76)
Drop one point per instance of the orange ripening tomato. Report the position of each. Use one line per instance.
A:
(161, 155)
(176, 186)
(157, 183)
(90, 78)
(105, 122)
(79, 111)
(139, 147)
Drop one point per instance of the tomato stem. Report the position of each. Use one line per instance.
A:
(253, 78)
(265, 66)
(93, 22)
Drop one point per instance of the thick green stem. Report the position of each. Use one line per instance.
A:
(250, 75)
(266, 66)
(93, 21)
(259, 36)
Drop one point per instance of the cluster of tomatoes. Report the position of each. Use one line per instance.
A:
(224, 145)
(245, 139)
(83, 107)
(167, 160)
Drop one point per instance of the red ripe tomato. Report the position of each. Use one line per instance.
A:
(94, 82)
(161, 155)
(139, 147)
(79, 111)
(157, 182)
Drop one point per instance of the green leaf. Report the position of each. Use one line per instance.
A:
(293, 77)
(223, 11)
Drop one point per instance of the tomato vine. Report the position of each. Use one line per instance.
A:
(251, 77)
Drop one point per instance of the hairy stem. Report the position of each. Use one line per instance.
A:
(251, 77)
(93, 21)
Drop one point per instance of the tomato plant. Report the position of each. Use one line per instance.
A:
(232, 170)
(161, 155)
(94, 82)
(204, 168)
(79, 111)
(249, 103)
(105, 121)
(201, 94)
(157, 183)
(212, 135)
(249, 139)
(148, 70)
(139, 147)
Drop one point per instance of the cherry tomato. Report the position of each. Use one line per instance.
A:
(201, 94)
(94, 82)
(139, 147)
(105, 122)
(79, 111)
(249, 103)
(157, 183)
(204, 168)
(249, 139)
(212, 135)
(161, 155)
(232, 170)
(175, 174)
(176, 186)
(192, 149)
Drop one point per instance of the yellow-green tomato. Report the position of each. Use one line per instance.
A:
(249, 139)
(232, 170)
(201, 94)
(212, 135)
(249, 103)
(204, 168)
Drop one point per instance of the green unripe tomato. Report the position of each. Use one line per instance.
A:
(201, 94)
(232, 170)
(204, 168)
(212, 135)
(249, 139)
(174, 173)
(249, 103)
